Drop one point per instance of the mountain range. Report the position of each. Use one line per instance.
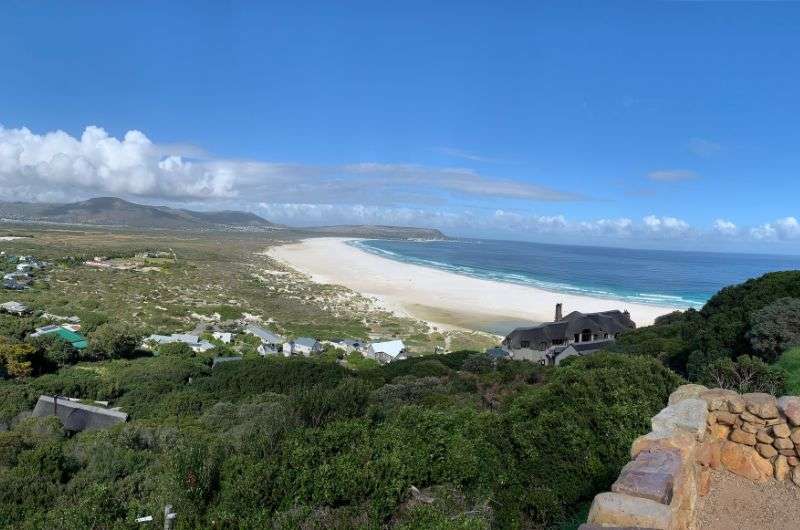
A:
(116, 212)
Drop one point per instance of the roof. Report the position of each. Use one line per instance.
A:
(497, 353)
(77, 340)
(14, 307)
(220, 360)
(393, 348)
(306, 341)
(263, 334)
(76, 416)
(611, 322)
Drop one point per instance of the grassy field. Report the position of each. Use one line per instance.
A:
(216, 276)
(790, 362)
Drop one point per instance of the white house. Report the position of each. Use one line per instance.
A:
(386, 352)
(15, 308)
(270, 342)
(193, 341)
(223, 337)
(302, 346)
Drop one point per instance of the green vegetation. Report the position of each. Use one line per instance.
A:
(789, 362)
(270, 442)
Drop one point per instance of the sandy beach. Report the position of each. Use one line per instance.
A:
(442, 298)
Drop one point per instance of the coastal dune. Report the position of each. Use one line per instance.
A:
(442, 298)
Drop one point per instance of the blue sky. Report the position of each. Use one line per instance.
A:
(668, 124)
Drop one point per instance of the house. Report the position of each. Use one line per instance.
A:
(587, 332)
(270, 342)
(386, 352)
(497, 353)
(76, 416)
(302, 346)
(223, 337)
(193, 341)
(14, 308)
(348, 345)
(77, 340)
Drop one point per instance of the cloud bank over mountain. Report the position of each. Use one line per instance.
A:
(57, 166)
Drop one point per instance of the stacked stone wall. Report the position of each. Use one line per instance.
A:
(753, 435)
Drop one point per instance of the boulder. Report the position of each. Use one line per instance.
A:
(683, 443)
(718, 398)
(688, 415)
(686, 392)
(745, 461)
(752, 429)
(650, 476)
(787, 452)
(766, 450)
(742, 437)
(752, 418)
(762, 405)
(792, 460)
(736, 404)
(790, 407)
(782, 443)
(720, 432)
(763, 437)
(725, 417)
(781, 430)
(615, 509)
(782, 468)
(704, 482)
(795, 436)
(796, 475)
(708, 454)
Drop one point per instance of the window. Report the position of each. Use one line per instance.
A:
(586, 335)
(524, 344)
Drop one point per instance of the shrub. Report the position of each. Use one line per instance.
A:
(176, 349)
(745, 374)
(113, 341)
(775, 328)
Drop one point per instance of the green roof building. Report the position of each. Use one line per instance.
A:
(77, 340)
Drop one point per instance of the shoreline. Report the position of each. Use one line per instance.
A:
(443, 299)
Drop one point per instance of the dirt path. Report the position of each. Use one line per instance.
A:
(736, 503)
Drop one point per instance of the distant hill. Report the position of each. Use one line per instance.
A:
(111, 211)
(375, 232)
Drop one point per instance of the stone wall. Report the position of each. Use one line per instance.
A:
(753, 435)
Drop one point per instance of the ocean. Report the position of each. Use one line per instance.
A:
(659, 277)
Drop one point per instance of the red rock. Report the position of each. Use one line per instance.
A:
(650, 476)
(743, 437)
(704, 482)
(781, 430)
(782, 468)
(765, 450)
(745, 461)
(783, 443)
(764, 437)
(762, 405)
(790, 407)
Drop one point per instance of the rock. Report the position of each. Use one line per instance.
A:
(796, 475)
(711, 419)
(795, 436)
(718, 398)
(745, 461)
(764, 437)
(736, 404)
(720, 432)
(686, 392)
(788, 452)
(725, 418)
(781, 430)
(792, 460)
(704, 482)
(774, 421)
(683, 443)
(742, 437)
(762, 405)
(790, 407)
(688, 415)
(752, 418)
(650, 476)
(782, 468)
(783, 443)
(587, 526)
(765, 450)
(752, 429)
(609, 509)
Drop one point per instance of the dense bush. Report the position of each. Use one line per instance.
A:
(775, 328)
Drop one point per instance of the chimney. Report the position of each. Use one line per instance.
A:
(559, 316)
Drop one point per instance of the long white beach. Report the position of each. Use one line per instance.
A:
(442, 298)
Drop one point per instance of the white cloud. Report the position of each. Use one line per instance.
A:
(672, 175)
(466, 155)
(38, 166)
(725, 227)
(665, 225)
(784, 229)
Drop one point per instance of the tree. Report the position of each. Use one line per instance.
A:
(775, 327)
(55, 351)
(18, 358)
(178, 349)
(113, 340)
(745, 374)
